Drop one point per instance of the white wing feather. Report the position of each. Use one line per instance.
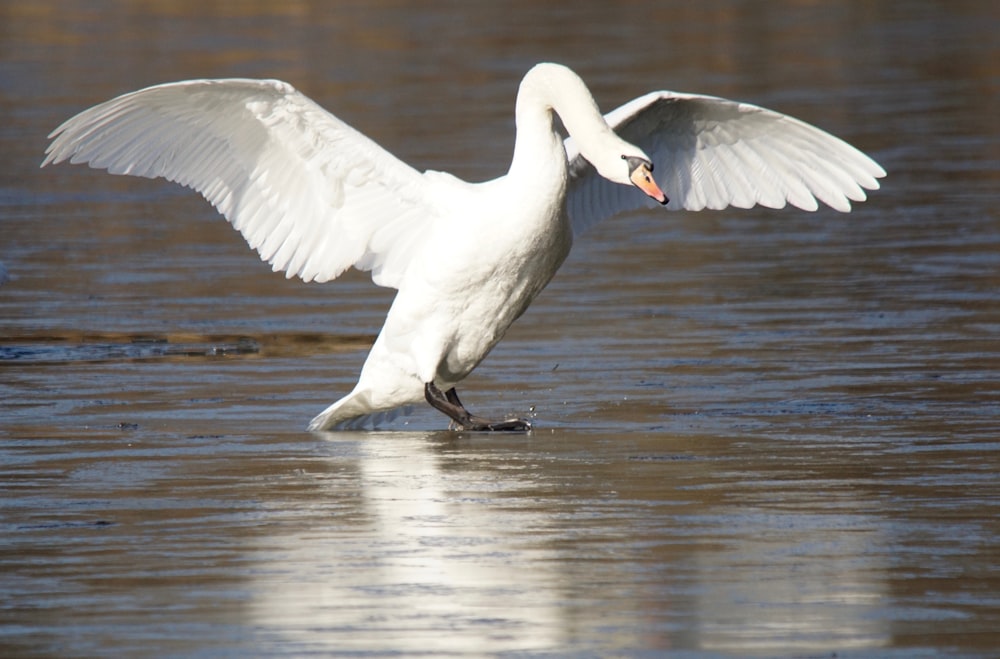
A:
(311, 194)
(710, 152)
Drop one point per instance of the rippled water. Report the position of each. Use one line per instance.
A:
(765, 433)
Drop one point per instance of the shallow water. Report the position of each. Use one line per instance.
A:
(758, 432)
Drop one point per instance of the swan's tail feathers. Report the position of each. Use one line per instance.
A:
(356, 412)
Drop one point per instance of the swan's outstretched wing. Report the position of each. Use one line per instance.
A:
(312, 195)
(710, 152)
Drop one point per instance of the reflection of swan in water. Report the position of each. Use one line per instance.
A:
(408, 545)
(316, 197)
(415, 564)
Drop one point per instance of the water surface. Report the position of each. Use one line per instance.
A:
(758, 433)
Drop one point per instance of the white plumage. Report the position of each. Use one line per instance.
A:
(314, 197)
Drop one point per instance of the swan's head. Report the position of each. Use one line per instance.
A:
(620, 162)
(640, 174)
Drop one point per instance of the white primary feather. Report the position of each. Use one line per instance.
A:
(312, 195)
(711, 152)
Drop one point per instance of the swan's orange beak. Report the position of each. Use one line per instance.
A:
(642, 177)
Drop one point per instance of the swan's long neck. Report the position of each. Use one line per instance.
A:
(549, 88)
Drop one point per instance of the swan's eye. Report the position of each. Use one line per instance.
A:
(638, 166)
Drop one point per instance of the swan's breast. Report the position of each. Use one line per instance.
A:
(507, 256)
(482, 262)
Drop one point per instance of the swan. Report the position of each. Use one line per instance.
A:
(313, 197)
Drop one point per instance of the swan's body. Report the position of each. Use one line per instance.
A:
(314, 197)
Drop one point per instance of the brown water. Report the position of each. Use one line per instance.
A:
(757, 432)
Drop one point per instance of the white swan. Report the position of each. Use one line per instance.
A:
(314, 197)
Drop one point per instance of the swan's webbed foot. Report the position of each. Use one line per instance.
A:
(510, 425)
(462, 419)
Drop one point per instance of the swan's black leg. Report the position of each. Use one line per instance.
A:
(449, 404)
(452, 397)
